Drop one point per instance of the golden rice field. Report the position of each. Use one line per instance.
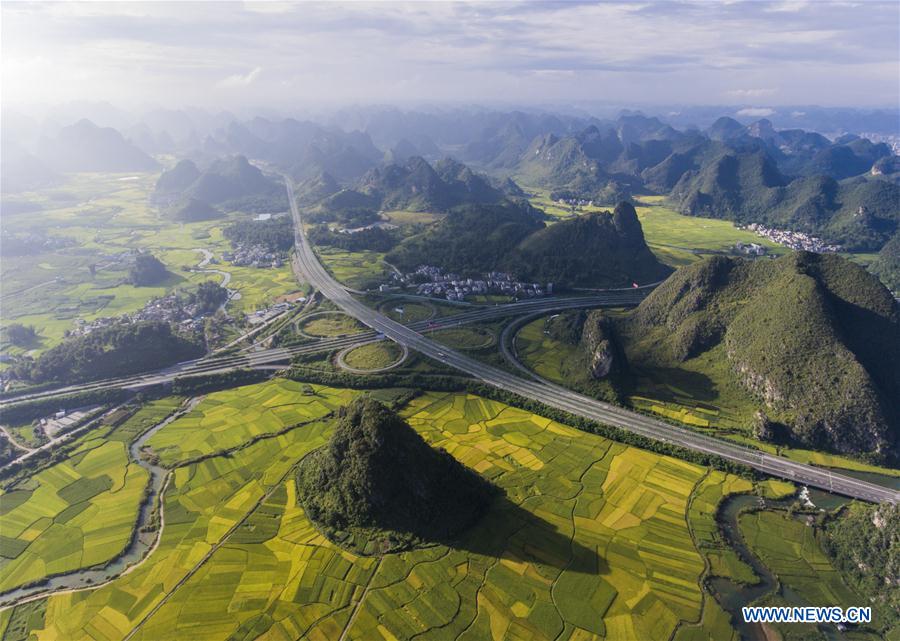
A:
(592, 540)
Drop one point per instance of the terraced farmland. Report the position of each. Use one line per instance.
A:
(230, 418)
(591, 539)
(72, 515)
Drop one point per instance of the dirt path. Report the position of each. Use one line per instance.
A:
(14, 442)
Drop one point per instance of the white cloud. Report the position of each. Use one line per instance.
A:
(756, 112)
(693, 51)
(238, 80)
(751, 93)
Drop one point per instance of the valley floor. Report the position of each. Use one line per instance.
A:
(592, 539)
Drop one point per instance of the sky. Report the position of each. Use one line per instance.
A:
(241, 55)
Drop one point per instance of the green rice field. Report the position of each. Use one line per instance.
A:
(103, 215)
(74, 514)
(227, 419)
(358, 270)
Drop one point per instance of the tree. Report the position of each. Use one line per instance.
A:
(210, 296)
(147, 270)
(20, 335)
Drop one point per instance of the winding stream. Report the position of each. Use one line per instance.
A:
(142, 542)
(732, 596)
(233, 294)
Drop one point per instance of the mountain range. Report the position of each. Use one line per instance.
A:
(84, 146)
(229, 183)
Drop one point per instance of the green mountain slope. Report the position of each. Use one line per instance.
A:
(859, 213)
(814, 337)
(600, 249)
(887, 265)
(470, 239)
(594, 250)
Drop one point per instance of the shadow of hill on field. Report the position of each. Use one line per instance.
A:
(509, 531)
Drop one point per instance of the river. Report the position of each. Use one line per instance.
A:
(142, 542)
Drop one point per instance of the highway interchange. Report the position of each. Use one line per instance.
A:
(533, 387)
(567, 400)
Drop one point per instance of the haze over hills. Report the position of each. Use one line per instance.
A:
(84, 146)
(844, 191)
(230, 183)
(23, 171)
(414, 185)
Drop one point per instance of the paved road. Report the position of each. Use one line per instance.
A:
(264, 358)
(567, 400)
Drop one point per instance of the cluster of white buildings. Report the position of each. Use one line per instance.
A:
(750, 249)
(356, 230)
(254, 256)
(794, 239)
(268, 313)
(170, 308)
(574, 202)
(431, 281)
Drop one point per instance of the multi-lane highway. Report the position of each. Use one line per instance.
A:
(567, 400)
(268, 357)
(533, 387)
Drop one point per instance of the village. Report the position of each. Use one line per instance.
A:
(431, 281)
(172, 308)
(794, 239)
(258, 256)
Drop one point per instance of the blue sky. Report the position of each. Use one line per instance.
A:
(247, 54)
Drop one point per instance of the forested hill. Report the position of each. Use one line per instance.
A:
(413, 185)
(228, 183)
(860, 213)
(814, 337)
(595, 250)
(470, 239)
(378, 486)
(117, 350)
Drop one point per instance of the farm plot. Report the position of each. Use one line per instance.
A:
(541, 353)
(204, 503)
(789, 549)
(326, 324)
(360, 270)
(404, 311)
(74, 514)
(230, 418)
(590, 539)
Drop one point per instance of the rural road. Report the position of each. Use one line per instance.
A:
(567, 400)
